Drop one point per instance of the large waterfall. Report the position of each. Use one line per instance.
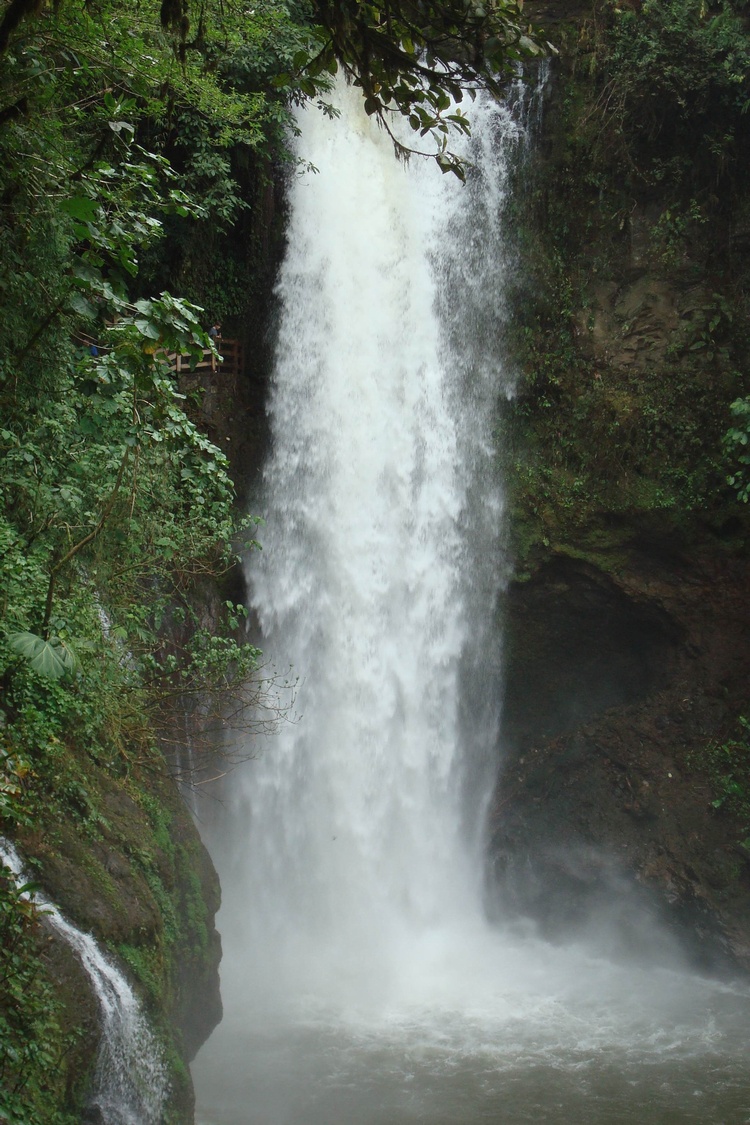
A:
(375, 578)
(362, 983)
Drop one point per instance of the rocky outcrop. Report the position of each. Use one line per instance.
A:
(231, 411)
(135, 874)
(617, 683)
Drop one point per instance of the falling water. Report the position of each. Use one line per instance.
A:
(362, 982)
(130, 1082)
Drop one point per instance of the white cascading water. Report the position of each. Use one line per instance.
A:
(377, 579)
(362, 983)
(130, 1081)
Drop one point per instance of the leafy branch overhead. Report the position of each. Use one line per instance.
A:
(241, 69)
(418, 60)
(414, 61)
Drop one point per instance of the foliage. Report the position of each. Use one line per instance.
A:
(674, 87)
(417, 62)
(693, 54)
(31, 1040)
(737, 445)
(109, 450)
(727, 765)
(16, 774)
(237, 71)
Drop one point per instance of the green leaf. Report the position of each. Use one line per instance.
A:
(530, 45)
(52, 658)
(80, 304)
(80, 207)
(147, 328)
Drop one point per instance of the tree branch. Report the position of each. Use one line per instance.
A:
(106, 512)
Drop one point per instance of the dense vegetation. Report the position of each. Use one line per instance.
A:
(134, 142)
(114, 505)
(632, 316)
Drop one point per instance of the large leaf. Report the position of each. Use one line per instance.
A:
(52, 658)
(82, 305)
(80, 207)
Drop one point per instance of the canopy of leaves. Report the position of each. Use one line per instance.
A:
(239, 69)
(418, 60)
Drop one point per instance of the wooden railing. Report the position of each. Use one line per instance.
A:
(231, 360)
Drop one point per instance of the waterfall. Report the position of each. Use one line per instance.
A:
(362, 981)
(130, 1081)
(379, 569)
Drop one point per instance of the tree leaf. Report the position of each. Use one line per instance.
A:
(147, 328)
(51, 658)
(82, 306)
(80, 207)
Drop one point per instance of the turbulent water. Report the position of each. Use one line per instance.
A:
(130, 1081)
(362, 982)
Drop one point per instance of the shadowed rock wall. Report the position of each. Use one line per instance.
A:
(603, 815)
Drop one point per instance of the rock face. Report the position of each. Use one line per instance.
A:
(579, 644)
(143, 884)
(624, 791)
(616, 685)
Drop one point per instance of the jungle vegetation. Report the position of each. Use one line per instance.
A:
(628, 415)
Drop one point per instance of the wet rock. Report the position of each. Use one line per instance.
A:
(146, 888)
(577, 644)
(616, 683)
(92, 1115)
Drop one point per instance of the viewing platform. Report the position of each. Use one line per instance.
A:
(231, 359)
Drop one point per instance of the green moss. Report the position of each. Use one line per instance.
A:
(161, 820)
(148, 965)
(96, 875)
(194, 907)
(180, 1088)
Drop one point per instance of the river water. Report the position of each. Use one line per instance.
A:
(362, 983)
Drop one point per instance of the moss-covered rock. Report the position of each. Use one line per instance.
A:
(134, 873)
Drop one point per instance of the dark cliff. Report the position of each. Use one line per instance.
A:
(625, 768)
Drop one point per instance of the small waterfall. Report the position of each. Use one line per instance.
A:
(130, 1082)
